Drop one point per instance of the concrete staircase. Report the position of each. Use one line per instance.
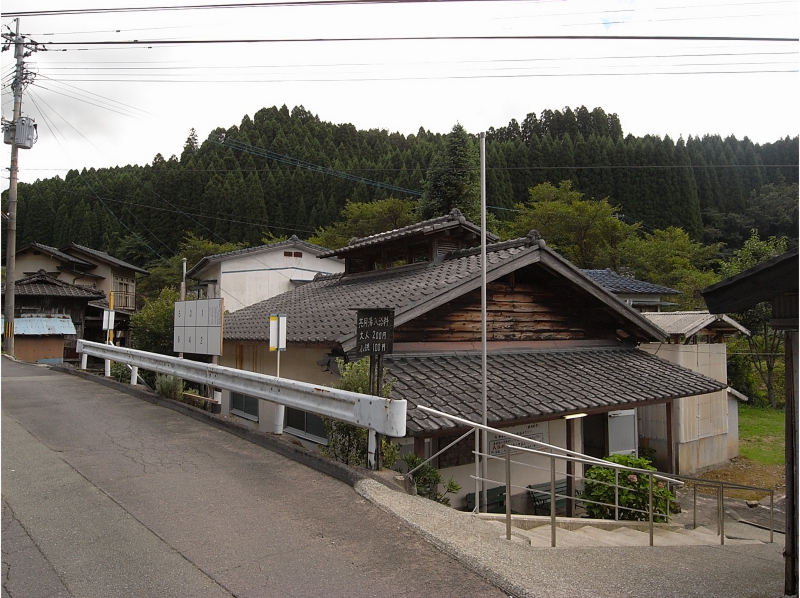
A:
(585, 533)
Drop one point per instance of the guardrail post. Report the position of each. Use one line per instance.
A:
(508, 493)
(771, 510)
(84, 360)
(650, 484)
(372, 450)
(722, 514)
(694, 506)
(616, 494)
(107, 368)
(134, 374)
(553, 501)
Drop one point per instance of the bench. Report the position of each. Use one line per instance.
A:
(495, 500)
(540, 496)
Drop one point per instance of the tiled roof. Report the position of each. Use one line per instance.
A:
(622, 284)
(536, 384)
(41, 284)
(689, 323)
(60, 255)
(455, 219)
(105, 257)
(293, 241)
(323, 311)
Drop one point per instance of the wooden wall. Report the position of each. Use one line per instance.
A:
(515, 312)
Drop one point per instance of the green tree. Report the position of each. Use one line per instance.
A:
(671, 258)
(152, 326)
(368, 218)
(765, 343)
(453, 179)
(585, 231)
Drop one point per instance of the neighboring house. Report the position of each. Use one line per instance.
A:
(80, 265)
(42, 296)
(250, 275)
(642, 296)
(706, 427)
(559, 344)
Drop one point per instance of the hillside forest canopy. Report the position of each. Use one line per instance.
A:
(715, 189)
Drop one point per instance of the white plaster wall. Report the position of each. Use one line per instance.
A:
(248, 279)
(701, 423)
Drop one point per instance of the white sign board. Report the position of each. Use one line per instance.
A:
(198, 327)
(539, 431)
(277, 332)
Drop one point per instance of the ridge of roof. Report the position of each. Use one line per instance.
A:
(57, 253)
(453, 218)
(41, 277)
(292, 241)
(106, 257)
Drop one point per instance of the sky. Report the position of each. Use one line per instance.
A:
(101, 101)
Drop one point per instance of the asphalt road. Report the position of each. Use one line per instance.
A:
(107, 495)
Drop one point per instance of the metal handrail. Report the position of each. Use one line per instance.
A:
(556, 452)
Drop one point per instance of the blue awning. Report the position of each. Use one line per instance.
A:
(42, 326)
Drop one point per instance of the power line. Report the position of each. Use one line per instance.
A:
(184, 42)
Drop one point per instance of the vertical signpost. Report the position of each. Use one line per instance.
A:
(277, 342)
(375, 334)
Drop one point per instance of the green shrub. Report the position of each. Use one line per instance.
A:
(427, 479)
(633, 491)
(348, 443)
(120, 372)
(169, 387)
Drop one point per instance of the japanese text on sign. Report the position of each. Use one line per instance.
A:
(374, 331)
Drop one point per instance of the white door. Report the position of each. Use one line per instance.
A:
(622, 432)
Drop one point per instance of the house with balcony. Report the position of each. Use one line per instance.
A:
(93, 269)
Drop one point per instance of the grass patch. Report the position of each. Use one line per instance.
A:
(761, 434)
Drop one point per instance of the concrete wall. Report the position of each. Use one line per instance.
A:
(701, 423)
(248, 279)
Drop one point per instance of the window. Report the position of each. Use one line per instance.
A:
(298, 254)
(287, 254)
(244, 406)
(305, 425)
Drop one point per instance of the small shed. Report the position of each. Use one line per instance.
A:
(40, 339)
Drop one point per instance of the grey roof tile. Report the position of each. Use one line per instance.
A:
(536, 384)
(42, 285)
(623, 284)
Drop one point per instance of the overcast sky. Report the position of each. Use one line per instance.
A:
(106, 105)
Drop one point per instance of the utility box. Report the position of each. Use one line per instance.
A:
(27, 134)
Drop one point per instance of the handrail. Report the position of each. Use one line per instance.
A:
(555, 452)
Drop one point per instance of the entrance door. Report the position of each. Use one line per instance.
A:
(622, 432)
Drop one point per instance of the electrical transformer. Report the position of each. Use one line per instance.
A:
(27, 134)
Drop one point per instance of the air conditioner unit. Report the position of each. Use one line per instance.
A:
(27, 133)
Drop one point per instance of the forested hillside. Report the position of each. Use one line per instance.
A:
(716, 189)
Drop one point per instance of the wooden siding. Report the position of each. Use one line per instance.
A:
(515, 312)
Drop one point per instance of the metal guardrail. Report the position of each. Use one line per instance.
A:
(384, 416)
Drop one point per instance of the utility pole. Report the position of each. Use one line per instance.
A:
(14, 128)
(11, 226)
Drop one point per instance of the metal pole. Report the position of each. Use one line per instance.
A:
(183, 292)
(484, 384)
(477, 471)
(771, 513)
(650, 506)
(508, 493)
(11, 227)
(553, 502)
(616, 494)
(694, 505)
